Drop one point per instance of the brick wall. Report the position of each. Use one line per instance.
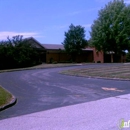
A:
(62, 56)
(98, 56)
(57, 56)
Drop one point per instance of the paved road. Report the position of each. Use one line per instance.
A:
(43, 89)
(104, 114)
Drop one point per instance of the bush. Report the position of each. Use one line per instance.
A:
(17, 53)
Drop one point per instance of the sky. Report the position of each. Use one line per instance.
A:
(47, 20)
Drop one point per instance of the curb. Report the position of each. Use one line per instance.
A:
(31, 68)
(10, 104)
(105, 78)
(42, 67)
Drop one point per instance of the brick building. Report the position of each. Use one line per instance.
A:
(56, 52)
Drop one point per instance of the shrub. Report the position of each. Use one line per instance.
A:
(17, 53)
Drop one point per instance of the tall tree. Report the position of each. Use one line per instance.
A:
(111, 31)
(74, 40)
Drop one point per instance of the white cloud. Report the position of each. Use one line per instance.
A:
(5, 34)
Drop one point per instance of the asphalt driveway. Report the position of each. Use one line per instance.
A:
(43, 89)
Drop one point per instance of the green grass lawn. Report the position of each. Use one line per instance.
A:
(5, 97)
(116, 72)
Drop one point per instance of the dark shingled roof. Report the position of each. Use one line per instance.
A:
(34, 43)
(53, 46)
(59, 46)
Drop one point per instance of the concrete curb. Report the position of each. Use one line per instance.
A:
(42, 67)
(10, 104)
(31, 68)
(105, 78)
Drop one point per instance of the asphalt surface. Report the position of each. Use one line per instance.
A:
(44, 89)
(104, 114)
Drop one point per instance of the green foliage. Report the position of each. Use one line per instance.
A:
(74, 40)
(16, 53)
(5, 97)
(111, 30)
(90, 44)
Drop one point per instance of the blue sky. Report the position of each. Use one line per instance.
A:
(47, 20)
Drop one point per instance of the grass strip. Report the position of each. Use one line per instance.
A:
(121, 72)
(5, 97)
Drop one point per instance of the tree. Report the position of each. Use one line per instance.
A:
(74, 40)
(111, 31)
(16, 52)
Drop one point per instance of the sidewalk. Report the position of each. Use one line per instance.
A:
(104, 114)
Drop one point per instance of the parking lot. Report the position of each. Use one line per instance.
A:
(43, 89)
